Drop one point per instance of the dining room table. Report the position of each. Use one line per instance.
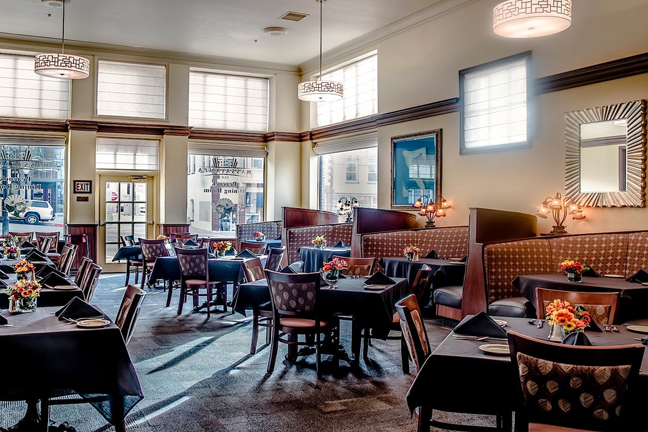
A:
(58, 358)
(370, 308)
(633, 295)
(459, 377)
(454, 270)
(314, 258)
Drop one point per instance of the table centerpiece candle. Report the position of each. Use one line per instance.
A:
(23, 296)
(23, 268)
(221, 247)
(258, 236)
(319, 242)
(564, 319)
(412, 253)
(573, 269)
(331, 271)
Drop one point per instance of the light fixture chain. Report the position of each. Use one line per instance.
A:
(321, 25)
(63, 31)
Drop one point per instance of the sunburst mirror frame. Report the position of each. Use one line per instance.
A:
(635, 195)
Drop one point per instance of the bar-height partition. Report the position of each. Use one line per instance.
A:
(367, 220)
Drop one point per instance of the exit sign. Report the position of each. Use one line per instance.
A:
(82, 186)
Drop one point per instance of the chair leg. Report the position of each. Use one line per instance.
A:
(168, 303)
(143, 274)
(183, 298)
(209, 299)
(367, 341)
(128, 270)
(404, 355)
(137, 272)
(318, 354)
(45, 414)
(273, 349)
(425, 417)
(255, 331)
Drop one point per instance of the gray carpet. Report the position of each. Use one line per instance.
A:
(198, 375)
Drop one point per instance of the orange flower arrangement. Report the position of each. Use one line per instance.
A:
(24, 267)
(222, 246)
(569, 266)
(24, 289)
(570, 318)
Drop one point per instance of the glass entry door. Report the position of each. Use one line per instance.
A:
(126, 210)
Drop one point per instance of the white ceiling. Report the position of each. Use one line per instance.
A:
(222, 28)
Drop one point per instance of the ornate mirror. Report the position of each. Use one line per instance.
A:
(605, 155)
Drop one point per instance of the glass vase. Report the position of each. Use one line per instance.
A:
(331, 277)
(220, 253)
(557, 333)
(22, 305)
(21, 276)
(320, 246)
(409, 256)
(574, 277)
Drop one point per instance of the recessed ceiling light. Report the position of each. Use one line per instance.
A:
(275, 31)
(293, 16)
(55, 3)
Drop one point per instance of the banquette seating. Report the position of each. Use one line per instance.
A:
(303, 236)
(271, 229)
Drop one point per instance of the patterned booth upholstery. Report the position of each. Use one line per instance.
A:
(303, 236)
(451, 242)
(623, 253)
(272, 230)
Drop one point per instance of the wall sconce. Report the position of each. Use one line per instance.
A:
(560, 208)
(346, 207)
(432, 209)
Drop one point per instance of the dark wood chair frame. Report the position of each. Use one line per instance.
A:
(578, 298)
(261, 316)
(145, 270)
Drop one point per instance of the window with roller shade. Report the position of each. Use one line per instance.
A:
(131, 90)
(494, 105)
(221, 101)
(27, 95)
(128, 154)
(360, 80)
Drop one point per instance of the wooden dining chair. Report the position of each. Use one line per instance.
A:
(54, 236)
(194, 276)
(23, 237)
(151, 250)
(261, 314)
(90, 281)
(255, 247)
(575, 388)
(68, 253)
(81, 272)
(357, 266)
(129, 311)
(185, 237)
(44, 244)
(296, 311)
(413, 329)
(275, 256)
(602, 306)
(131, 264)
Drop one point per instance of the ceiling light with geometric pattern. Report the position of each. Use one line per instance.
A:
(531, 18)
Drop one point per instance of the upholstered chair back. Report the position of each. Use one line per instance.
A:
(153, 249)
(193, 262)
(413, 329)
(253, 269)
(54, 238)
(294, 294)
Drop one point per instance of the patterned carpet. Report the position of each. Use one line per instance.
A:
(198, 375)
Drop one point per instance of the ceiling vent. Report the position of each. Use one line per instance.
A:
(293, 16)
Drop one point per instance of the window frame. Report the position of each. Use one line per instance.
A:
(529, 93)
(96, 90)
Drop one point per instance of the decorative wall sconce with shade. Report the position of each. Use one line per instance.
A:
(346, 207)
(320, 90)
(531, 18)
(431, 210)
(560, 208)
(61, 65)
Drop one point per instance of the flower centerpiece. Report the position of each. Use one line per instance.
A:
(23, 268)
(162, 237)
(258, 236)
(12, 252)
(564, 319)
(573, 269)
(222, 246)
(9, 240)
(412, 253)
(331, 271)
(23, 295)
(319, 242)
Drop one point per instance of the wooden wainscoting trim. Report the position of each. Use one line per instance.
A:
(173, 228)
(76, 231)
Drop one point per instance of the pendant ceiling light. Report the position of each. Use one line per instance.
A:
(319, 90)
(531, 18)
(61, 65)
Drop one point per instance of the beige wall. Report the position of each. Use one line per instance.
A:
(420, 65)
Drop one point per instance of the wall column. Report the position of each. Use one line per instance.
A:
(173, 181)
(283, 177)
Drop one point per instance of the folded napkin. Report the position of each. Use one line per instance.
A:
(36, 255)
(3, 320)
(7, 269)
(3, 284)
(379, 278)
(77, 308)
(589, 272)
(27, 245)
(47, 269)
(577, 338)
(480, 325)
(287, 270)
(190, 243)
(432, 255)
(52, 280)
(247, 254)
(340, 244)
(641, 276)
(3, 275)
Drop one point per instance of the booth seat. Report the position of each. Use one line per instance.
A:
(272, 230)
(303, 236)
(606, 253)
(448, 242)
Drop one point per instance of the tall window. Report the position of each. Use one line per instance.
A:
(348, 174)
(229, 190)
(221, 101)
(131, 90)
(25, 94)
(360, 80)
(494, 104)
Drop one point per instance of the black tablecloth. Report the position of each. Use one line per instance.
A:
(402, 267)
(48, 297)
(458, 376)
(128, 253)
(58, 358)
(373, 309)
(223, 269)
(314, 258)
(634, 296)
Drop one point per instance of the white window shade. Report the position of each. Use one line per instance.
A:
(337, 145)
(27, 95)
(494, 106)
(220, 101)
(238, 150)
(131, 90)
(360, 80)
(127, 154)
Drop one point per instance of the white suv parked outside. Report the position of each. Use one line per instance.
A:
(37, 211)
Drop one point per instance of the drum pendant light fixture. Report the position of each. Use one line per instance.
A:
(320, 90)
(61, 65)
(531, 18)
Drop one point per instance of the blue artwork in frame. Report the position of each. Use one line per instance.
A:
(416, 168)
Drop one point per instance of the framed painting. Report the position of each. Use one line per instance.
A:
(416, 168)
